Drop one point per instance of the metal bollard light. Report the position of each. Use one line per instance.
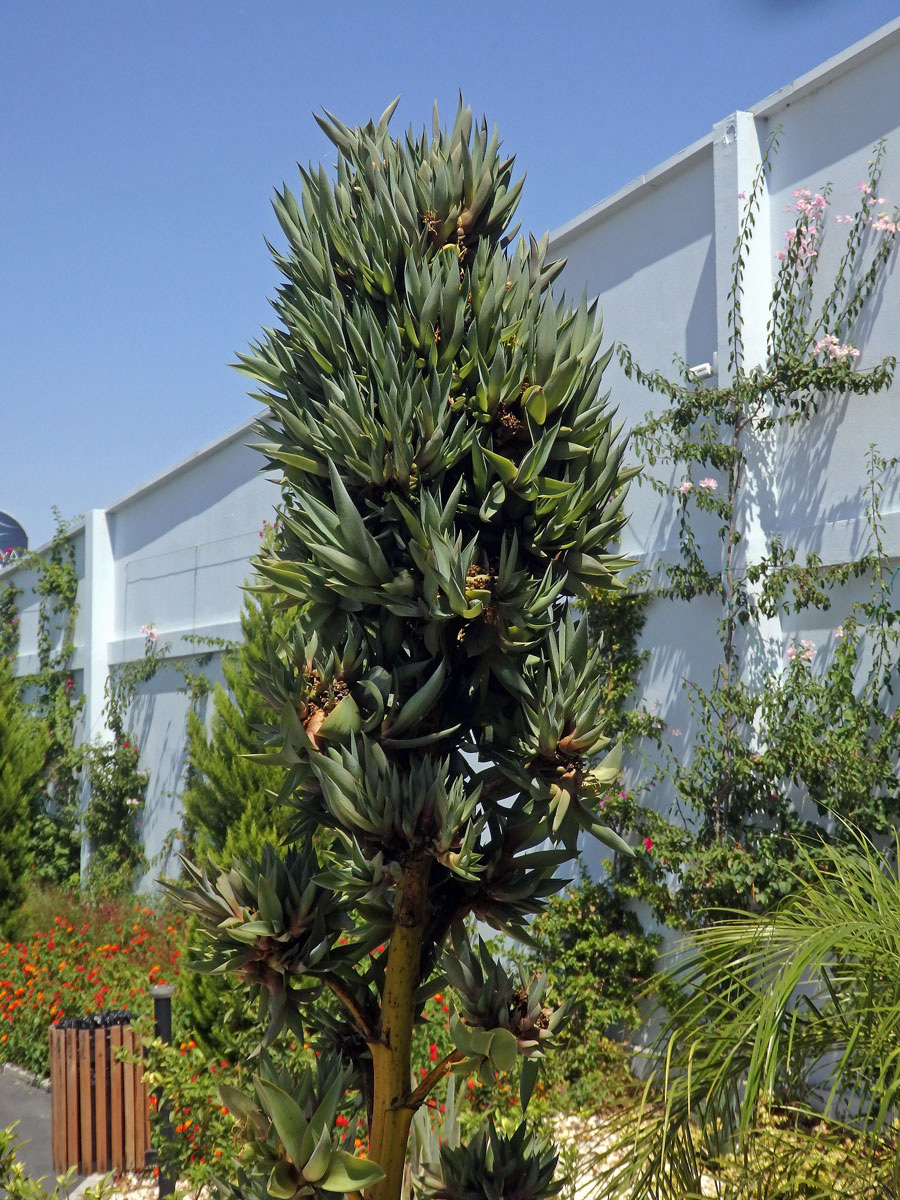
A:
(162, 1017)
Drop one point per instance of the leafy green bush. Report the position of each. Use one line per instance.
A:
(16, 1185)
(596, 955)
(598, 959)
(229, 797)
(782, 1060)
(24, 742)
(788, 734)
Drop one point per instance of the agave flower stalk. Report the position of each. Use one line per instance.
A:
(450, 478)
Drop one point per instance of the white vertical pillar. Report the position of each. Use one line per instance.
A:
(737, 154)
(98, 607)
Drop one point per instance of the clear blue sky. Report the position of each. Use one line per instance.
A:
(140, 142)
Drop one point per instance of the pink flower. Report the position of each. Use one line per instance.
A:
(648, 843)
(780, 255)
(685, 486)
(864, 187)
(834, 349)
(807, 650)
(709, 485)
(742, 195)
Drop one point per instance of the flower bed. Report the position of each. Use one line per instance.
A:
(95, 957)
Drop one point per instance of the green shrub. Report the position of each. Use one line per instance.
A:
(23, 750)
(598, 958)
(228, 800)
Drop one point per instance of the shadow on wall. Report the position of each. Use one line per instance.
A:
(684, 643)
(158, 720)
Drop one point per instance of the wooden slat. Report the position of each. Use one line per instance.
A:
(100, 1101)
(57, 1100)
(128, 1099)
(71, 1066)
(140, 1109)
(145, 1098)
(116, 1138)
(85, 1103)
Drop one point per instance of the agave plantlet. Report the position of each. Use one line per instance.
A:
(451, 477)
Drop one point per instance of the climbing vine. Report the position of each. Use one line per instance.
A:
(51, 692)
(792, 738)
(96, 790)
(118, 786)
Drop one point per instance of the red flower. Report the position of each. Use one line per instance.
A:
(433, 1052)
(648, 843)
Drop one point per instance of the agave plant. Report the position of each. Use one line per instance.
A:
(450, 477)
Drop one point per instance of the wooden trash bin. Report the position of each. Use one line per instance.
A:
(100, 1115)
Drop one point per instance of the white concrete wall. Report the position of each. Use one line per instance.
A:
(174, 554)
(658, 256)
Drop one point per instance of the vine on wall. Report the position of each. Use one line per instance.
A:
(779, 751)
(61, 819)
(55, 840)
(118, 787)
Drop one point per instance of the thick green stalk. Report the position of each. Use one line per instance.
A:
(392, 1111)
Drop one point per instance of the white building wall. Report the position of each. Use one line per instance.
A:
(658, 256)
(174, 554)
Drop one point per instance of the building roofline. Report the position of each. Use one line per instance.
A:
(232, 435)
(650, 179)
(225, 439)
(804, 85)
(832, 68)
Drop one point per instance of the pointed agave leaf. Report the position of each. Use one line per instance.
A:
(610, 838)
(287, 1118)
(353, 529)
(504, 1049)
(421, 702)
(530, 1071)
(350, 1174)
(237, 1102)
(343, 719)
(611, 767)
(269, 905)
(318, 1162)
(505, 469)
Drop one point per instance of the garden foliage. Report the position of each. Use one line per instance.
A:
(776, 1072)
(781, 1066)
(230, 799)
(451, 477)
(75, 957)
(24, 743)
